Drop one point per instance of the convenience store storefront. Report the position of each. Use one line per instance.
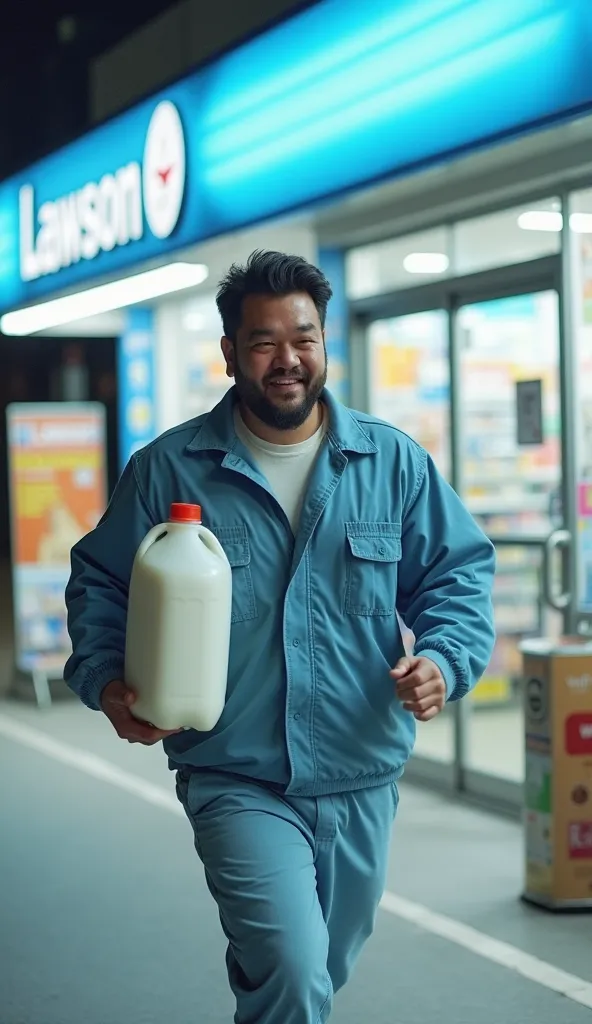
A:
(433, 158)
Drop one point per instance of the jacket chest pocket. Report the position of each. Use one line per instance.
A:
(235, 541)
(372, 556)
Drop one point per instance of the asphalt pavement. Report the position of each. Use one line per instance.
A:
(105, 917)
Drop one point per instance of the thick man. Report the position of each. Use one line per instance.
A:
(333, 522)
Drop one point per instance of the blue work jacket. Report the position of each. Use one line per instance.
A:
(310, 707)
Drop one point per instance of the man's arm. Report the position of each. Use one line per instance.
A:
(445, 583)
(97, 593)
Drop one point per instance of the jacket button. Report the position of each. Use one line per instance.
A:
(295, 643)
(297, 716)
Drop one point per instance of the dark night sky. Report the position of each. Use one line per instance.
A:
(43, 68)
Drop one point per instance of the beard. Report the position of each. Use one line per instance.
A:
(284, 413)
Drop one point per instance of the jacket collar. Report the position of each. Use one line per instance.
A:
(217, 432)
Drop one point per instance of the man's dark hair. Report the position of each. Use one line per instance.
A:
(269, 273)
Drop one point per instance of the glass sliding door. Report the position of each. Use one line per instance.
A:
(510, 476)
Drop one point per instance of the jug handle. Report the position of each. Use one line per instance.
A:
(155, 533)
(212, 542)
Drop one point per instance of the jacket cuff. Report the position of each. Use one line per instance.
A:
(445, 667)
(91, 679)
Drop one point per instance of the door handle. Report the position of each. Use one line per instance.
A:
(558, 598)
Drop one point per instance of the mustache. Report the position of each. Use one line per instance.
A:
(298, 375)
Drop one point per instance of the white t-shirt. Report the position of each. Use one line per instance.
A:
(286, 467)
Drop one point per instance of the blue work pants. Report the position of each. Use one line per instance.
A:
(297, 881)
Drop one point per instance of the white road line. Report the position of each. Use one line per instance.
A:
(502, 953)
(89, 763)
(498, 952)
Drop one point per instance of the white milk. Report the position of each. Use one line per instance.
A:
(178, 624)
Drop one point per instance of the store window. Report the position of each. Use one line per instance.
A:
(500, 239)
(510, 236)
(410, 381)
(511, 486)
(398, 263)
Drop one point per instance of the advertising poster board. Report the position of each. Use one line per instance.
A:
(57, 493)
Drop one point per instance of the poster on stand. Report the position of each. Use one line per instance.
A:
(57, 494)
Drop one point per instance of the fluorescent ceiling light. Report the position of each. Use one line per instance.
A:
(581, 223)
(540, 220)
(546, 220)
(426, 263)
(104, 298)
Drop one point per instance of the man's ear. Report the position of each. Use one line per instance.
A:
(229, 355)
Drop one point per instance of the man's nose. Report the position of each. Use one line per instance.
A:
(286, 357)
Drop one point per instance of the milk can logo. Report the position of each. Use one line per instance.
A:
(109, 212)
(163, 170)
(537, 704)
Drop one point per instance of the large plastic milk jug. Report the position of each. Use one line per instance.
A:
(178, 624)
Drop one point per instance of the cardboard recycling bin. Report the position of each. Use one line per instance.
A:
(558, 772)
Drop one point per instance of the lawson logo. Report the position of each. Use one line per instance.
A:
(109, 213)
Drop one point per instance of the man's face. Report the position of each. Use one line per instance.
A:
(278, 361)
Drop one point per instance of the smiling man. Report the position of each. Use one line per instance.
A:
(281, 396)
(333, 522)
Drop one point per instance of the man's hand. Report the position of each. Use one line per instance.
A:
(420, 687)
(116, 701)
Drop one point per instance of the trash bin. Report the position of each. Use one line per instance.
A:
(558, 772)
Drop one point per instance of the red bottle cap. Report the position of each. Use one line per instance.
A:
(181, 513)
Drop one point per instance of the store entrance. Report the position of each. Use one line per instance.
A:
(475, 379)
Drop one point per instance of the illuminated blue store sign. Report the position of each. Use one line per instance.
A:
(344, 93)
